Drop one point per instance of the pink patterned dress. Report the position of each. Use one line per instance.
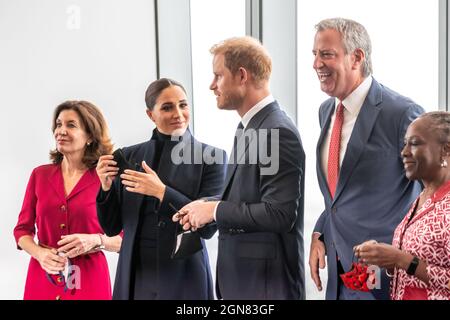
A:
(426, 236)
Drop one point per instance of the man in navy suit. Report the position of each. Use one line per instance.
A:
(359, 167)
(260, 215)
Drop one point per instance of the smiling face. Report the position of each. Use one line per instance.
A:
(339, 73)
(226, 87)
(171, 111)
(422, 153)
(70, 135)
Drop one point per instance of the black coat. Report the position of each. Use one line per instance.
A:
(119, 210)
(260, 219)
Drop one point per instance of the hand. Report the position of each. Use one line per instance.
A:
(178, 217)
(196, 214)
(50, 261)
(317, 259)
(380, 254)
(106, 171)
(77, 244)
(147, 183)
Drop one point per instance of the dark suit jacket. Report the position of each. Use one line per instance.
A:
(372, 194)
(260, 219)
(118, 210)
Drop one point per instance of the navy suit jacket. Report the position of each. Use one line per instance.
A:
(118, 210)
(260, 219)
(372, 194)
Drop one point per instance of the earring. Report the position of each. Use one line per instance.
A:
(444, 164)
(88, 144)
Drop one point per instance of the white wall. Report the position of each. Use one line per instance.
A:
(46, 59)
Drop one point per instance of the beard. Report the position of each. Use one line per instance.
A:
(231, 101)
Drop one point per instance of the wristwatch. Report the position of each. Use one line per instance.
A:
(413, 266)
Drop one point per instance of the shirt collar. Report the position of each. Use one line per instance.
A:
(441, 192)
(355, 100)
(255, 109)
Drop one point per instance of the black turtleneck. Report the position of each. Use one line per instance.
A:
(148, 220)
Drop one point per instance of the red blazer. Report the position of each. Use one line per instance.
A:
(46, 207)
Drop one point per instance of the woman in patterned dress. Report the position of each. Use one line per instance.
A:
(419, 258)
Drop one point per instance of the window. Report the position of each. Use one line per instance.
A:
(213, 21)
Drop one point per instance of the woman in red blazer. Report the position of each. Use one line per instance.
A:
(67, 262)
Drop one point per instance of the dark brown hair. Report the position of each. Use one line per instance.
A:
(94, 125)
(156, 87)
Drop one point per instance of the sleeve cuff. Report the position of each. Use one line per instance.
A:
(215, 210)
(103, 196)
(20, 234)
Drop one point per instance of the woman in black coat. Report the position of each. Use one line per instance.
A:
(170, 170)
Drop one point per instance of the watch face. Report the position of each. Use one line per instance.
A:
(413, 266)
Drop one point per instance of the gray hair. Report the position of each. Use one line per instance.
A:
(440, 124)
(354, 36)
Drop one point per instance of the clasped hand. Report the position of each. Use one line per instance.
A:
(381, 254)
(195, 214)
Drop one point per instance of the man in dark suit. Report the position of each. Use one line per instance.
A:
(359, 167)
(260, 215)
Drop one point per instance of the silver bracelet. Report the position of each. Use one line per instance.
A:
(389, 274)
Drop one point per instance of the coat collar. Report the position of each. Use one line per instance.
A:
(56, 181)
(429, 204)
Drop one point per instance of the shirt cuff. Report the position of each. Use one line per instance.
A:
(215, 210)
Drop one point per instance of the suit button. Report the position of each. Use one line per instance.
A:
(62, 226)
(58, 297)
(63, 208)
(333, 210)
(162, 224)
(59, 279)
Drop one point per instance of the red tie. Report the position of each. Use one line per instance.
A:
(334, 150)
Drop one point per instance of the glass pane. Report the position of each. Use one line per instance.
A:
(211, 22)
(405, 58)
(211, 125)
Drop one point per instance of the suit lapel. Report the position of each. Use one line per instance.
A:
(321, 175)
(134, 200)
(360, 135)
(255, 123)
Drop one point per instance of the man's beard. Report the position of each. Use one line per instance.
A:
(230, 102)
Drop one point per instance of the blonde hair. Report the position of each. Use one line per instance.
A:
(247, 53)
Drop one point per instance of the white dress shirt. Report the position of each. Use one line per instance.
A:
(352, 106)
(255, 109)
